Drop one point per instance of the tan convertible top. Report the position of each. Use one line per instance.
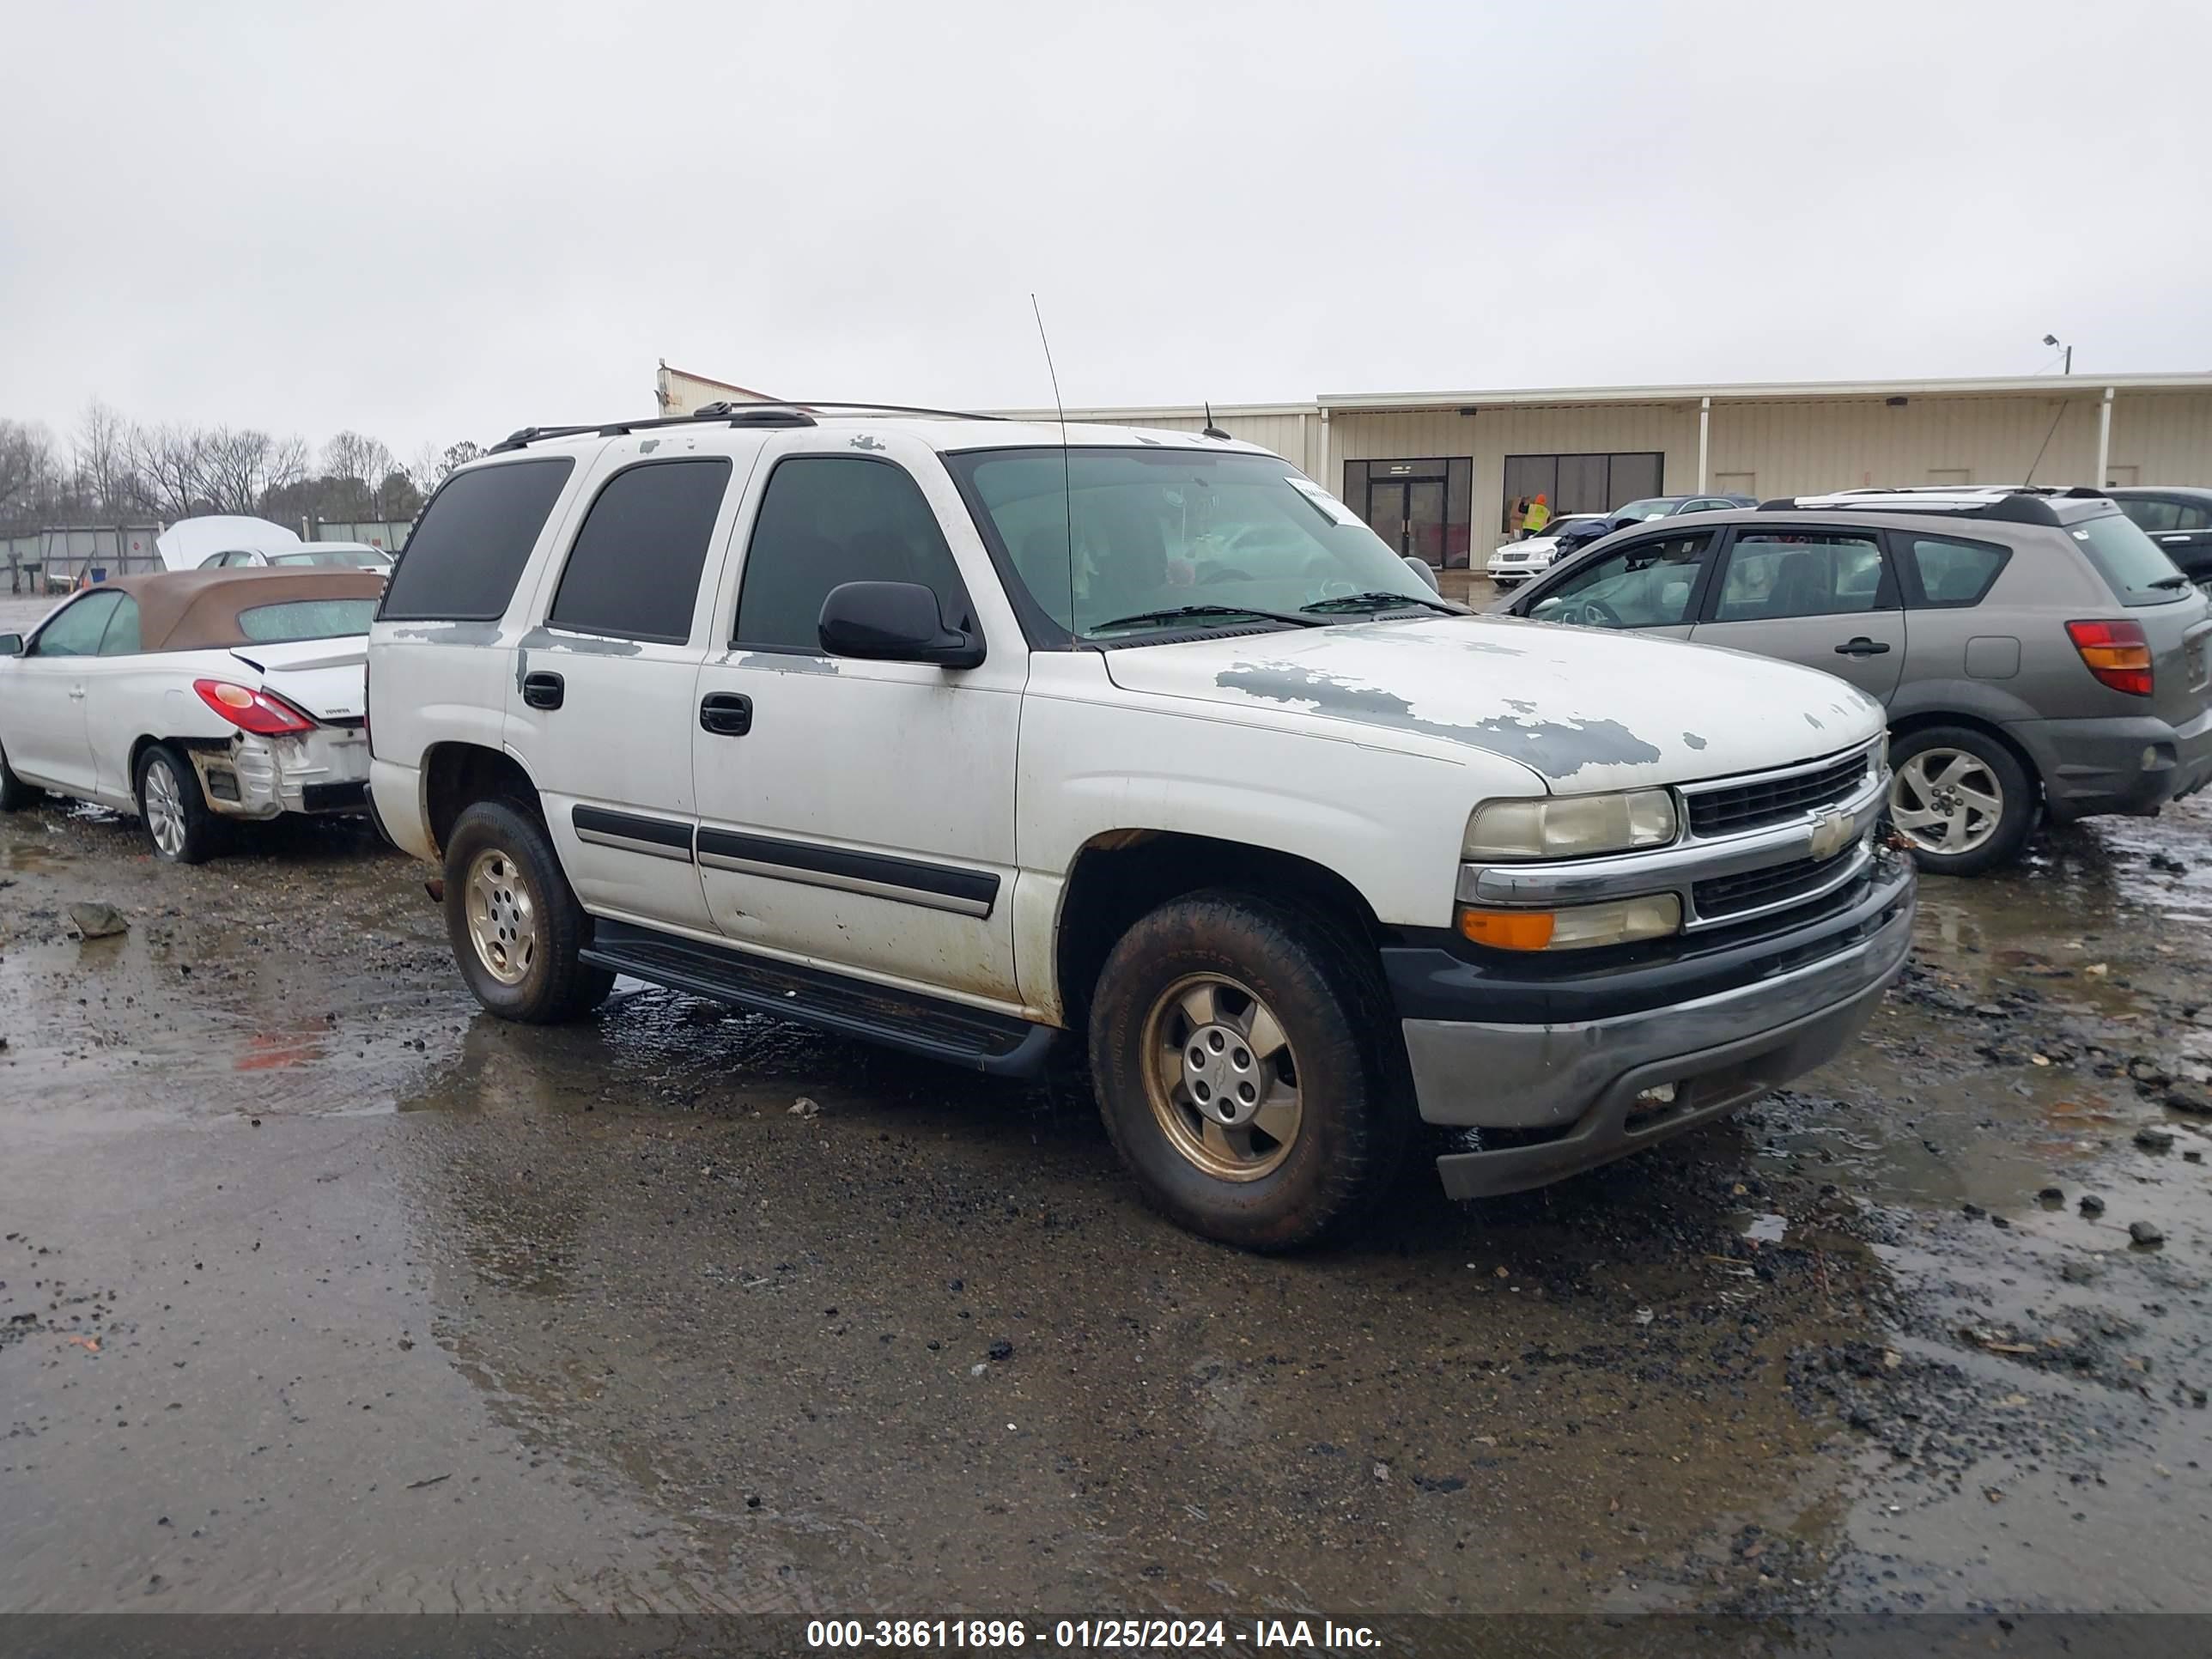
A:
(197, 610)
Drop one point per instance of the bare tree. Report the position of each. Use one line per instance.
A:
(362, 463)
(26, 465)
(168, 469)
(102, 461)
(432, 463)
(238, 468)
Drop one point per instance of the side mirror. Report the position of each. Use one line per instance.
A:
(893, 621)
(11, 645)
(1421, 568)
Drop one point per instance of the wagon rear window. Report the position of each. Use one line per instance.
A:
(465, 557)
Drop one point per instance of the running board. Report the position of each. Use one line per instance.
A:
(950, 1031)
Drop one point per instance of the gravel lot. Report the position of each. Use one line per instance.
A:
(320, 1290)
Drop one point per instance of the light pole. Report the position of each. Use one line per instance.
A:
(2052, 340)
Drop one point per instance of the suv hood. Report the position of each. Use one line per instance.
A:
(1587, 710)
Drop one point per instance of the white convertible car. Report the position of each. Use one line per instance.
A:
(193, 697)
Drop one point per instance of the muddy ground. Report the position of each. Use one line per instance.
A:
(321, 1291)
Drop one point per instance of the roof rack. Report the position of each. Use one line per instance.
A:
(2016, 503)
(760, 412)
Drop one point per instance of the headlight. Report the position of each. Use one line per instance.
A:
(1577, 927)
(1571, 826)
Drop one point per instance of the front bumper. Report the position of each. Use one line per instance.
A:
(2127, 765)
(324, 770)
(1721, 1027)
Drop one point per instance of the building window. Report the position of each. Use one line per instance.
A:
(1578, 483)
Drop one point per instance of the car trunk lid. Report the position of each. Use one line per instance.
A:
(327, 679)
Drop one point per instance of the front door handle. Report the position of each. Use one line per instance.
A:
(725, 713)
(1862, 646)
(2181, 537)
(542, 690)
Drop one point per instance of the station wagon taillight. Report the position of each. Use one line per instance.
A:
(2115, 653)
(253, 711)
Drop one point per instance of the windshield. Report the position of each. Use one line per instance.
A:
(2132, 565)
(350, 558)
(1164, 530)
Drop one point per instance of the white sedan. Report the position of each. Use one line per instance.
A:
(193, 697)
(1516, 561)
(342, 556)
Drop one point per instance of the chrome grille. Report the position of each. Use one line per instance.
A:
(1723, 896)
(1730, 809)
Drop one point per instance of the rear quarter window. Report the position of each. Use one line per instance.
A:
(468, 551)
(1952, 574)
(2132, 565)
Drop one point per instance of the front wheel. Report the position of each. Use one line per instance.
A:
(1962, 798)
(1237, 1049)
(514, 920)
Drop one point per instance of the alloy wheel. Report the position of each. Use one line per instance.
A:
(502, 919)
(1945, 801)
(1221, 1078)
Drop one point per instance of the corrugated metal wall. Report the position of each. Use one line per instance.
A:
(1805, 448)
(2166, 436)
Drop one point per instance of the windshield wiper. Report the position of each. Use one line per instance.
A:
(1179, 612)
(2171, 582)
(1378, 600)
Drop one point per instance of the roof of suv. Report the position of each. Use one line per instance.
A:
(944, 430)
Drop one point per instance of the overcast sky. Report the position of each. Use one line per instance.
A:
(448, 221)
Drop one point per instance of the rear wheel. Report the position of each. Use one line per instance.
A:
(1234, 1045)
(515, 926)
(1962, 798)
(179, 826)
(15, 793)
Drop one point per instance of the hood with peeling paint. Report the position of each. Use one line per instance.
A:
(1587, 710)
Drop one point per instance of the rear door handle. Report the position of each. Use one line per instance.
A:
(725, 713)
(2181, 537)
(1862, 646)
(542, 690)
(77, 694)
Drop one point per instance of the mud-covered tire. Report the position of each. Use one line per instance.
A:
(180, 829)
(1923, 755)
(15, 793)
(1353, 1107)
(527, 966)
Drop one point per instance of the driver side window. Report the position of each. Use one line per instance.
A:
(1647, 584)
(76, 631)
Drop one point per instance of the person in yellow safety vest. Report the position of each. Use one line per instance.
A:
(1533, 523)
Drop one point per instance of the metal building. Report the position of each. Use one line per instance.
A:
(1438, 473)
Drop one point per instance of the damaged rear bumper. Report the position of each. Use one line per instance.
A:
(325, 771)
(1562, 1097)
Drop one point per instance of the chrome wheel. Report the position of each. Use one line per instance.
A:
(164, 807)
(502, 919)
(1946, 801)
(1222, 1080)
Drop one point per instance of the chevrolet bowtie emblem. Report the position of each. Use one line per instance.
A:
(1830, 835)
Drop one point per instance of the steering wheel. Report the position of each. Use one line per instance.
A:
(1596, 613)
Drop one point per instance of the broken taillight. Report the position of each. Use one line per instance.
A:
(2115, 653)
(250, 710)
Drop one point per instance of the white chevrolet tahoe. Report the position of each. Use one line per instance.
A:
(940, 731)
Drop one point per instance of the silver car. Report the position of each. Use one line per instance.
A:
(2036, 650)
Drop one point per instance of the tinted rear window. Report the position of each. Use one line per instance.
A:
(465, 557)
(634, 572)
(2129, 561)
(306, 619)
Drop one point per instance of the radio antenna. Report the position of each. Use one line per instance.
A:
(1066, 484)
